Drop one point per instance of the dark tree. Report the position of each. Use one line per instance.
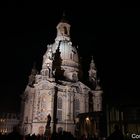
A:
(56, 66)
(90, 102)
(58, 74)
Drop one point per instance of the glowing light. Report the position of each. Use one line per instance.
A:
(87, 118)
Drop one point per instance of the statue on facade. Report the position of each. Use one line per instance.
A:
(49, 53)
(48, 130)
(48, 120)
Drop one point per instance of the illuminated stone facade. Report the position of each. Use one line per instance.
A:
(62, 98)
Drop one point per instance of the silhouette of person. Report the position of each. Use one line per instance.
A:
(116, 135)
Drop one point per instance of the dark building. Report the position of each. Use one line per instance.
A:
(127, 117)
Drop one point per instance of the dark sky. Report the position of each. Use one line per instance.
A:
(111, 35)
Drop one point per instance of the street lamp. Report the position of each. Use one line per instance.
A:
(87, 118)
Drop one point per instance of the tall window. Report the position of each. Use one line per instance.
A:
(76, 107)
(59, 104)
(59, 109)
(59, 115)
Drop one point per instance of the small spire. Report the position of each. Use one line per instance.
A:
(92, 73)
(92, 64)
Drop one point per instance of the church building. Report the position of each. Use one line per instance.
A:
(57, 92)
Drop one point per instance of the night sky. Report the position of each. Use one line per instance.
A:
(111, 35)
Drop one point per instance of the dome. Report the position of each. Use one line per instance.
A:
(68, 53)
(69, 56)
